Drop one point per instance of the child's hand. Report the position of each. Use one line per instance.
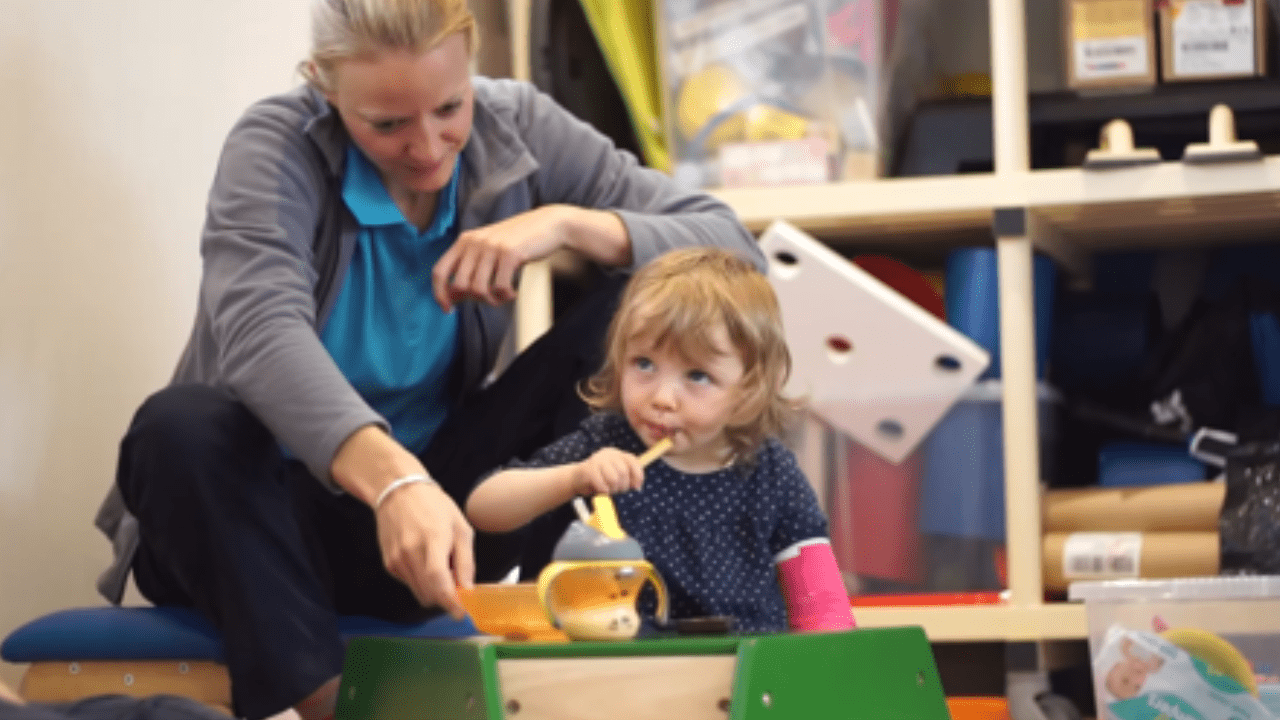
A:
(609, 471)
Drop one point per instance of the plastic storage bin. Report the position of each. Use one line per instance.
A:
(874, 531)
(931, 525)
(1230, 625)
(963, 491)
(872, 506)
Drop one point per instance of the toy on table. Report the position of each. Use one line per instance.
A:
(589, 590)
(603, 561)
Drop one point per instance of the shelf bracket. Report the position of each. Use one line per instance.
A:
(1047, 238)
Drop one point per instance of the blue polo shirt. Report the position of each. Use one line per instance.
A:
(387, 333)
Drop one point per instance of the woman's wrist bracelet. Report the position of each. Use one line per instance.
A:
(399, 483)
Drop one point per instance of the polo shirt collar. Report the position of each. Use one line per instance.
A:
(371, 204)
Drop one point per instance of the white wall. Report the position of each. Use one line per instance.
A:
(112, 113)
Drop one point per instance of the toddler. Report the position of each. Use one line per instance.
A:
(696, 353)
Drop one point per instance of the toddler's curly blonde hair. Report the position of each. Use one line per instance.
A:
(674, 300)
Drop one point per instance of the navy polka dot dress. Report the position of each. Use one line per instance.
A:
(712, 536)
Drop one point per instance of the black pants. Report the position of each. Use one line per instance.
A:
(230, 526)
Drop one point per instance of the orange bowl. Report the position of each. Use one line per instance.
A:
(978, 708)
(510, 611)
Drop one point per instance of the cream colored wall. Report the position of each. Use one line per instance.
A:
(113, 114)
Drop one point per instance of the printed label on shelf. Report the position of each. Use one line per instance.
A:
(1113, 57)
(1087, 556)
(1211, 38)
(779, 162)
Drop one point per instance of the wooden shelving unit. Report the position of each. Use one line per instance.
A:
(1074, 212)
(1139, 204)
(1068, 213)
(979, 623)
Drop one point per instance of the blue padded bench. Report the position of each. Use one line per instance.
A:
(143, 651)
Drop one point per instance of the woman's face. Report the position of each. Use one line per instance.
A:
(409, 113)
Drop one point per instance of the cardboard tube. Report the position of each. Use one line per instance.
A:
(1175, 507)
(1157, 555)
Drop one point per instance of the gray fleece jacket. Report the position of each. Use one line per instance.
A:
(278, 240)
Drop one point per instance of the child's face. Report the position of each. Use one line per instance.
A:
(663, 395)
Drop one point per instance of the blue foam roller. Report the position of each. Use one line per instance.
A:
(1264, 331)
(962, 493)
(1136, 464)
(972, 297)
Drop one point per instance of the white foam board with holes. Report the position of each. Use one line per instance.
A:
(865, 358)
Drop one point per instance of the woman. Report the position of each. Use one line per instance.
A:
(327, 415)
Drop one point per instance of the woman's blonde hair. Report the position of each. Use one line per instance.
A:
(675, 300)
(346, 29)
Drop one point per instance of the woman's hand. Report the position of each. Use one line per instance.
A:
(483, 262)
(426, 542)
(608, 471)
(423, 534)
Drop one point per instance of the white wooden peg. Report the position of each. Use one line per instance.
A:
(1223, 145)
(1115, 149)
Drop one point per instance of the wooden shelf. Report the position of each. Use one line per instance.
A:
(872, 208)
(1168, 202)
(1164, 204)
(972, 623)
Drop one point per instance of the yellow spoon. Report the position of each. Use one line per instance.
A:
(654, 452)
(605, 517)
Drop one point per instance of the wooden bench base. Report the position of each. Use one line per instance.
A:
(200, 680)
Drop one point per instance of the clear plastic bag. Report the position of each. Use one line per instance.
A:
(772, 92)
(1249, 524)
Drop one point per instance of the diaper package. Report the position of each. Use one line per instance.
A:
(1179, 674)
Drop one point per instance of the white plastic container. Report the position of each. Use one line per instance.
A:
(1191, 614)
